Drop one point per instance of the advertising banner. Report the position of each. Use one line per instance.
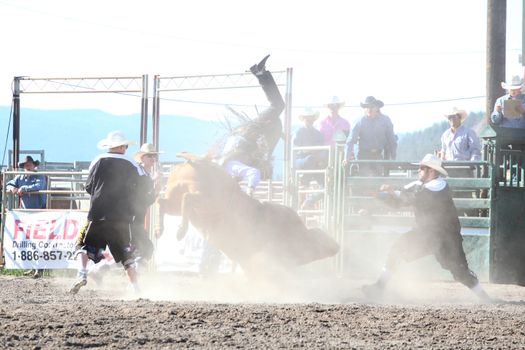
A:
(41, 240)
(191, 254)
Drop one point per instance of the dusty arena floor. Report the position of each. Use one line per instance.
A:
(229, 312)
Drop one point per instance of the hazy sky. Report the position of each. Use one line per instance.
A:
(404, 52)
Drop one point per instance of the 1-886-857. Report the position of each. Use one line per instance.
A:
(51, 255)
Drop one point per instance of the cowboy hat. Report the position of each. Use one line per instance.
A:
(371, 101)
(462, 114)
(433, 162)
(146, 148)
(114, 139)
(29, 159)
(335, 101)
(515, 83)
(308, 113)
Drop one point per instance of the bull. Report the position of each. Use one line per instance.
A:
(251, 233)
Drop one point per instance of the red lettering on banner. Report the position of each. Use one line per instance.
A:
(44, 229)
(19, 227)
(52, 229)
(74, 224)
(64, 227)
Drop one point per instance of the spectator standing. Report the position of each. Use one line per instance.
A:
(459, 143)
(23, 186)
(334, 127)
(516, 119)
(112, 183)
(437, 231)
(308, 135)
(374, 136)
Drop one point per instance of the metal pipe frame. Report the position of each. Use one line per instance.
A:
(29, 85)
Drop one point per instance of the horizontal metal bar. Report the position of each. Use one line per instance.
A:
(463, 203)
(357, 221)
(400, 181)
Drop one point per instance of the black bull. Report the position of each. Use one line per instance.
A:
(249, 232)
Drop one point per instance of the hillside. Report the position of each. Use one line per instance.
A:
(68, 135)
(413, 146)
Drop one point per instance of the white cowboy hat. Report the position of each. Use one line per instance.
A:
(146, 148)
(114, 139)
(433, 162)
(515, 83)
(462, 114)
(308, 113)
(335, 101)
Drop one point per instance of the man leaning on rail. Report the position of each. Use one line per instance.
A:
(24, 187)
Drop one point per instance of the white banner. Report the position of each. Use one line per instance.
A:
(188, 254)
(41, 240)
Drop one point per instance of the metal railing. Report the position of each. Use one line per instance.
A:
(474, 209)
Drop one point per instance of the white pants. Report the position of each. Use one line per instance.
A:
(238, 169)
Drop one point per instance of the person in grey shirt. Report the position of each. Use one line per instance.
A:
(374, 136)
(459, 142)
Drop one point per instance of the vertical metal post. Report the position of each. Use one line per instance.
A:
(144, 111)
(287, 139)
(16, 122)
(496, 46)
(155, 112)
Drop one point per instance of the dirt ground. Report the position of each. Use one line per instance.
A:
(177, 311)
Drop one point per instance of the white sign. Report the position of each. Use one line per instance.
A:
(41, 240)
(188, 254)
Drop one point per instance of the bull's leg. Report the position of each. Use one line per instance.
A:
(187, 207)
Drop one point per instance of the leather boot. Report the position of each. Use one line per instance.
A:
(259, 68)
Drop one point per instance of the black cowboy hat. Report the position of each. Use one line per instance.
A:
(371, 101)
(28, 159)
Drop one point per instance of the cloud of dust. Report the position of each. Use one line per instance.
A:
(177, 276)
(421, 281)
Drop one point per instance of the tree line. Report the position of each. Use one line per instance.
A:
(414, 145)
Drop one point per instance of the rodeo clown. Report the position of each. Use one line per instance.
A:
(437, 231)
(112, 183)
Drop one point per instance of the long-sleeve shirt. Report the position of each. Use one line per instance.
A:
(434, 209)
(28, 183)
(334, 129)
(463, 144)
(112, 183)
(499, 119)
(145, 196)
(374, 136)
(308, 136)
